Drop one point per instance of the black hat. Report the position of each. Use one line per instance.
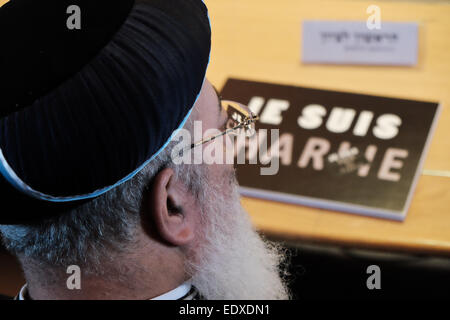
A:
(90, 92)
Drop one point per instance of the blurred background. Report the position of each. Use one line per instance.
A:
(330, 252)
(261, 40)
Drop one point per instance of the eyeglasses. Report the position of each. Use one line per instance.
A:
(240, 119)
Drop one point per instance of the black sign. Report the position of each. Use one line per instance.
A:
(341, 151)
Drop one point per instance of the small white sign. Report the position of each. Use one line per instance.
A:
(352, 42)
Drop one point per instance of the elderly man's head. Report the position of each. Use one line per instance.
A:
(168, 224)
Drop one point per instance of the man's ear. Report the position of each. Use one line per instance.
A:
(171, 209)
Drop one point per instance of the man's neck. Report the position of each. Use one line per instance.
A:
(139, 278)
(143, 273)
(99, 290)
(184, 291)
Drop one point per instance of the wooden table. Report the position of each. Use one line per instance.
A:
(260, 40)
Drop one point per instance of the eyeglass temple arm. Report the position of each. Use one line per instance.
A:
(240, 125)
(215, 136)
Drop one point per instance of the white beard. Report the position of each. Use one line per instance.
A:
(234, 262)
